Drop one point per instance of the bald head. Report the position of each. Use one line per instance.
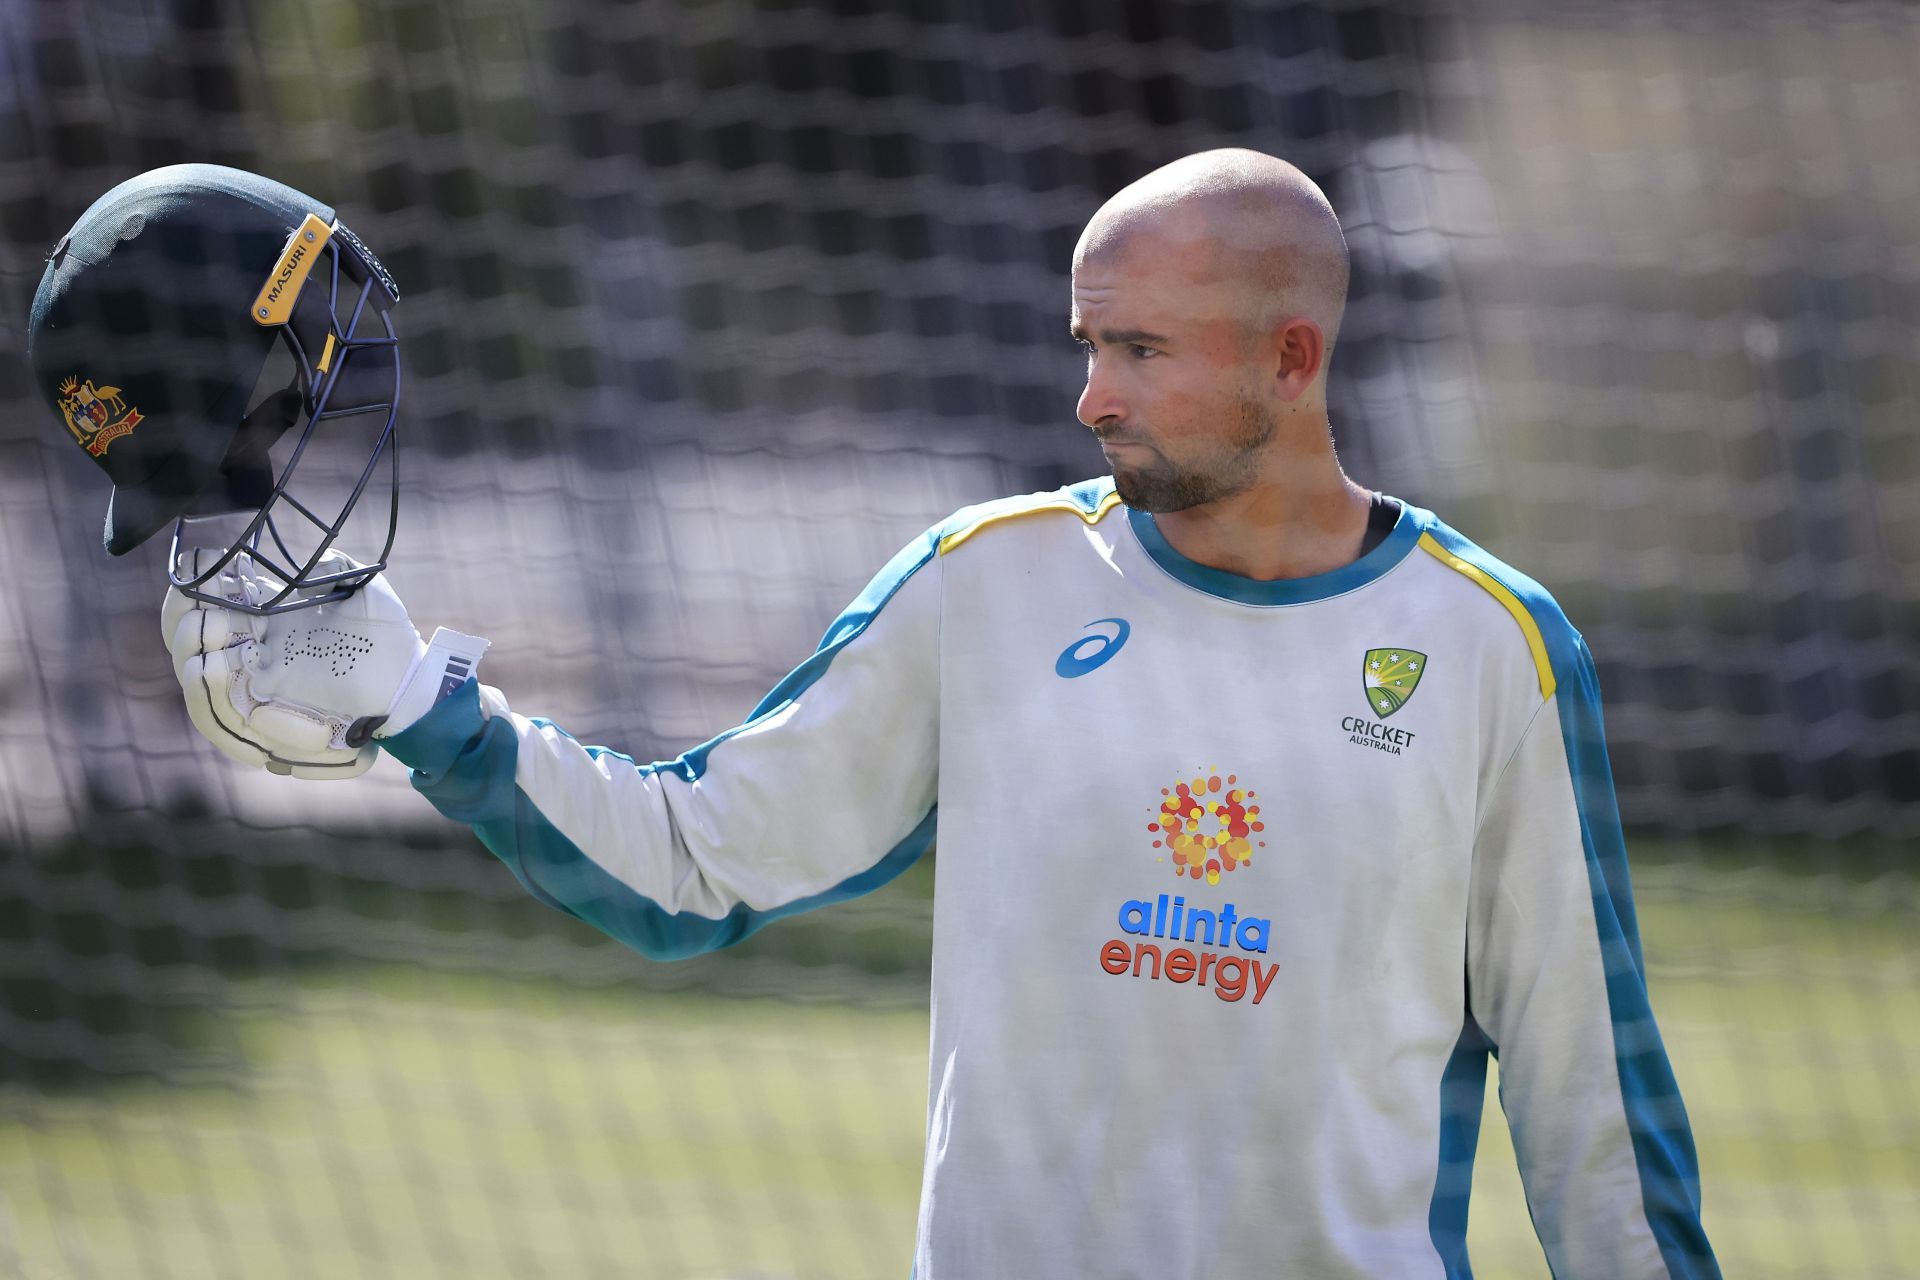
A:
(1246, 223)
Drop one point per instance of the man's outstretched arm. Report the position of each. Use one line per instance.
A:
(825, 792)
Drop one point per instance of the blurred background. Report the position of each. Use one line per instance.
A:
(706, 309)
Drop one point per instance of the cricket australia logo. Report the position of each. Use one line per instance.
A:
(1388, 677)
(97, 416)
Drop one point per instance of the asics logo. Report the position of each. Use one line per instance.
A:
(1089, 652)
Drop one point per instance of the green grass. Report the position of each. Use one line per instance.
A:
(464, 1127)
(391, 1122)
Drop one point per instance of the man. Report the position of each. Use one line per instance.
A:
(1268, 808)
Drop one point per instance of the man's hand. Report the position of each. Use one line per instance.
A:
(304, 692)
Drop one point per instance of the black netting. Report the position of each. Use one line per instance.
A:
(716, 303)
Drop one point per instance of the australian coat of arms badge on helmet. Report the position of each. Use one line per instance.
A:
(97, 416)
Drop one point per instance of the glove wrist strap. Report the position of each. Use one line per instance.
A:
(443, 666)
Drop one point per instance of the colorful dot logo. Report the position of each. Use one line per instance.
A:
(1208, 826)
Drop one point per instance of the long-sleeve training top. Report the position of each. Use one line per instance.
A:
(1240, 884)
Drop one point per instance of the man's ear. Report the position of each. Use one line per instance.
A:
(1299, 355)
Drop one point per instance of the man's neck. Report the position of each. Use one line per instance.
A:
(1275, 530)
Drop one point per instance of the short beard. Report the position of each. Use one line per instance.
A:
(1160, 485)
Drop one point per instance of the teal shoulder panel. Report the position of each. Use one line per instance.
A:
(1089, 494)
(1086, 495)
(1555, 631)
(1090, 500)
(1662, 1139)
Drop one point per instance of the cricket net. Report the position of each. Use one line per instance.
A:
(706, 310)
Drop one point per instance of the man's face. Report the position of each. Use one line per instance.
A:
(1173, 379)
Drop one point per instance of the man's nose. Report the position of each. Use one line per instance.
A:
(1098, 401)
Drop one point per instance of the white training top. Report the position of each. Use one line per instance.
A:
(1239, 884)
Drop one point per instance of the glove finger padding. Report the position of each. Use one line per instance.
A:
(353, 764)
(225, 662)
(297, 729)
(214, 687)
(203, 630)
(279, 738)
(237, 581)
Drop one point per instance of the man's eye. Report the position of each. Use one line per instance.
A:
(1140, 352)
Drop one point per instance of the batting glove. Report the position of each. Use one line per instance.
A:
(306, 692)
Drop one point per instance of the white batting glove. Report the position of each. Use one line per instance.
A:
(305, 692)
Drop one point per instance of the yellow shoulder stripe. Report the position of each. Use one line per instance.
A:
(1508, 600)
(1092, 517)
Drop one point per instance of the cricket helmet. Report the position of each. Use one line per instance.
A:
(152, 326)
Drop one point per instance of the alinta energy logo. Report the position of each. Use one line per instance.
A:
(1209, 827)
